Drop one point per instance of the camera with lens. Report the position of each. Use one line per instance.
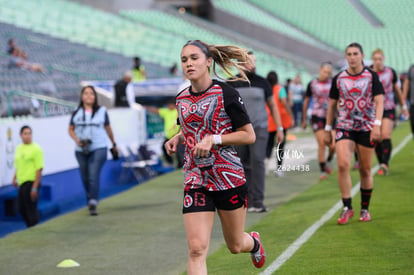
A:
(86, 144)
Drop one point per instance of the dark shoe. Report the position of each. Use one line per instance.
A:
(92, 210)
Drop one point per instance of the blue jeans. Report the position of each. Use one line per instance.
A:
(297, 112)
(90, 168)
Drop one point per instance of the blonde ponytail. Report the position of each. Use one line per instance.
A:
(226, 56)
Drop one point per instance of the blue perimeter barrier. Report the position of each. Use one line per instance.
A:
(63, 192)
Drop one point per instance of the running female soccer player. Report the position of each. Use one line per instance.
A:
(389, 80)
(361, 103)
(213, 119)
(319, 89)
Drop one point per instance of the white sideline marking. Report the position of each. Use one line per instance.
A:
(276, 264)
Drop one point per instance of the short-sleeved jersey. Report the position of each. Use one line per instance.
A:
(388, 78)
(255, 94)
(28, 159)
(319, 91)
(170, 121)
(218, 110)
(356, 99)
(279, 92)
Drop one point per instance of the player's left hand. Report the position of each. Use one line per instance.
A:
(375, 134)
(202, 148)
(405, 113)
(280, 136)
(34, 195)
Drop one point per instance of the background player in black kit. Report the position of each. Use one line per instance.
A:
(213, 119)
(358, 93)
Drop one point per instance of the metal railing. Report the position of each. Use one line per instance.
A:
(48, 106)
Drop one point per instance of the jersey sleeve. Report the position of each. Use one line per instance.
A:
(309, 90)
(234, 107)
(38, 159)
(106, 116)
(394, 76)
(282, 93)
(267, 89)
(130, 94)
(377, 88)
(106, 122)
(334, 92)
(162, 112)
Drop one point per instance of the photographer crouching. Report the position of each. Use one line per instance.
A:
(89, 127)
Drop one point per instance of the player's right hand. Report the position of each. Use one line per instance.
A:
(327, 138)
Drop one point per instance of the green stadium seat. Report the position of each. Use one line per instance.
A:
(322, 19)
(187, 31)
(263, 18)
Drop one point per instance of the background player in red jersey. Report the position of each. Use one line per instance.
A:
(213, 118)
(358, 93)
(389, 80)
(318, 89)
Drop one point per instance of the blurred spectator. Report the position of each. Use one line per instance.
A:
(174, 70)
(28, 161)
(280, 97)
(19, 58)
(297, 93)
(13, 48)
(170, 115)
(124, 91)
(90, 128)
(287, 83)
(138, 70)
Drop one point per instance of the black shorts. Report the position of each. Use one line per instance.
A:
(359, 137)
(201, 200)
(318, 123)
(389, 114)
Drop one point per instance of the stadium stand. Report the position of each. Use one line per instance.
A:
(180, 26)
(322, 19)
(82, 24)
(66, 63)
(252, 13)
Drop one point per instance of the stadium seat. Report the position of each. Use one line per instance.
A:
(187, 30)
(261, 17)
(321, 19)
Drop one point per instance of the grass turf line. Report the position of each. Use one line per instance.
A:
(281, 227)
(383, 246)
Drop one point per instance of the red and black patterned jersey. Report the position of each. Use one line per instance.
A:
(319, 91)
(356, 99)
(217, 111)
(388, 78)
